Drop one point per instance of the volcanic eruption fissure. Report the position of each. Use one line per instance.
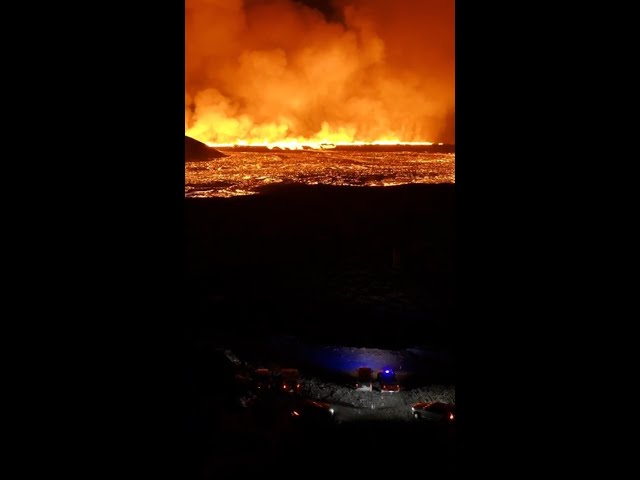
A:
(280, 72)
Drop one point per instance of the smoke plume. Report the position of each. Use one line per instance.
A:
(267, 71)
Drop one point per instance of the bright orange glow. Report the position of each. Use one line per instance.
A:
(245, 173)
(300, 145)
(451, 416)
(278, 73)
(295, 413)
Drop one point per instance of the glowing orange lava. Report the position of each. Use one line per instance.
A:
(314, 145)
(281, 73)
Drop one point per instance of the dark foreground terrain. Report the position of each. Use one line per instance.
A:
(225, 437)
(358, 267)
(345, 265)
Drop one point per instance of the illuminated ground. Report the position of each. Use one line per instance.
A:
(329, 372)
(245, 172)
(255, 430)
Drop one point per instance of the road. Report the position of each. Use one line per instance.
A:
(388, 406)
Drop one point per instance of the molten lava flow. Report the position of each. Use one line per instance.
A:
(314, 145)
(279, 73)
(246, 171)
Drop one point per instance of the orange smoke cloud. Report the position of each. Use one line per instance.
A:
(267, 71)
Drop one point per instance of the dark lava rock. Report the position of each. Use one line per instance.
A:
(198, 151)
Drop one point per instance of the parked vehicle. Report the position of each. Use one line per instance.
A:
(311, 413)
(289, 380)
(262, 379)
(387, 381)
(364, 383)
(437, 412)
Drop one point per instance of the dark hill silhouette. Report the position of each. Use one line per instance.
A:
(198, 151)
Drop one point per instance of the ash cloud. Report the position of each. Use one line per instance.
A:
(347, 70)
